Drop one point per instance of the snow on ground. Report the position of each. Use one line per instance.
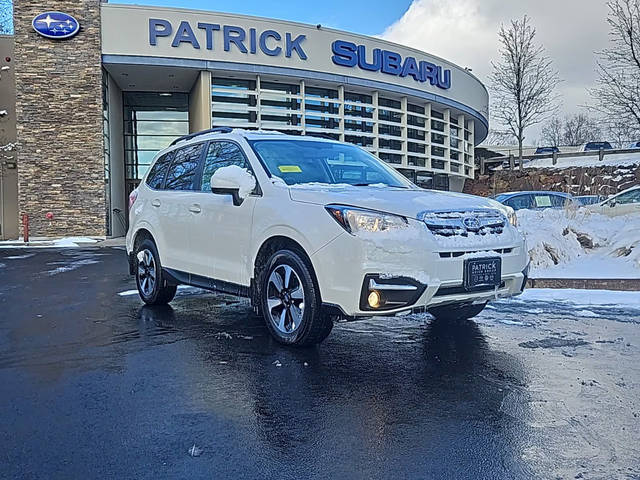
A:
(580, 297)
(566, 243)
(622, 159)
(58, 243)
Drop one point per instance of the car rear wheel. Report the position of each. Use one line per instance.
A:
(457, 311)
(152, 287)
(291, 302)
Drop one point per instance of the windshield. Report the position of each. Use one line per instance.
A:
(307, 161)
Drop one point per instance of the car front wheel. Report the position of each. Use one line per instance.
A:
(291, 301)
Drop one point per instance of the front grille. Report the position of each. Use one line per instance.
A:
(500, 251)
(464, 223)
(443, 291)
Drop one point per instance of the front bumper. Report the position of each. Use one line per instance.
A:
(346, 266)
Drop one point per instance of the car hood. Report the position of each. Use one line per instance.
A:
(400, 201)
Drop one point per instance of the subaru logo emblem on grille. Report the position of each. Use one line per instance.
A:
(471, 223)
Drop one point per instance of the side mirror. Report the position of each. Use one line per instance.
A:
(234, 181)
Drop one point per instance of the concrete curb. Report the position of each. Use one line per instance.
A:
(622, 284)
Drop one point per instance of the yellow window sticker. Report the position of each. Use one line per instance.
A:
(289, 169)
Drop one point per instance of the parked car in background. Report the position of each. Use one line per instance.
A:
(634, 145)
(546, 150)
(535, 200)
(588, 199)
(625, 202)
(596, 146)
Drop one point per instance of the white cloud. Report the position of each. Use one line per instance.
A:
(465, 32)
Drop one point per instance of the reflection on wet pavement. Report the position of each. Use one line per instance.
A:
(94, 382)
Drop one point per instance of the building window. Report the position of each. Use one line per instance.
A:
(321, 92)
(358, 98)
(437, 126)
(437, 114)
(233, 83)
(390, 144)
(358, 111)
(358, 126)
(415, 108)
(415, 134)
(279, 88)
(387, 102)
(391, 157)
(416, 147)
(389, 116)
(151, 122)
(358, 140)
(391, 130)
(437, 164)
(437, 151)
(417, 121)
(437, 138)
(415, 161)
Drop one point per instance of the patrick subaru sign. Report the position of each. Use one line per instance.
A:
(273, 43)
(56, 25)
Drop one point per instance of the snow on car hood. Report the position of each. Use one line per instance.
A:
(406, 202)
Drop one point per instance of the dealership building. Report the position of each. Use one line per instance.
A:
(100, 88)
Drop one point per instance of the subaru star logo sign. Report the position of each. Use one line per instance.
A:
(56, 25)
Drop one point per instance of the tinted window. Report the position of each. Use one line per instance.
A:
(220, 154)
(558, 200)
(519, 202)
(183, 169)
(159, 169)
(629, 197)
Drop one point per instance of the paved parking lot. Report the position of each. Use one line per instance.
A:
(94, 385)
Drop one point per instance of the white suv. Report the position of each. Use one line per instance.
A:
(312, 230)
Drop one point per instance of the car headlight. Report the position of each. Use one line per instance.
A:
(355, 220)
(511, 216)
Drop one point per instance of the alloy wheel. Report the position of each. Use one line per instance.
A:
(285, 299)
(146, 272)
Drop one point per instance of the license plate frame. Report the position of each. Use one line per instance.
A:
(482, 273)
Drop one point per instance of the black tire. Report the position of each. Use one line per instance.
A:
(152, 286)
(457, 311)
(314, 326)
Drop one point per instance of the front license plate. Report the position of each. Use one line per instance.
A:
(482, 272)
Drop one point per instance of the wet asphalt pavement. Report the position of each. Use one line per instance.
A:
(93, 385)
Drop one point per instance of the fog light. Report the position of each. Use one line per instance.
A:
(374, 299)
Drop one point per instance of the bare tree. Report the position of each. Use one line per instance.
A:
(523, 81)
(6, 17)
(617, 92)
(552, 133)
(579, 129)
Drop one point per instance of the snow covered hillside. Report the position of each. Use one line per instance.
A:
(567, 243)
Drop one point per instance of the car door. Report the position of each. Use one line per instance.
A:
(175, 206)
(220, 240)
(623, 204)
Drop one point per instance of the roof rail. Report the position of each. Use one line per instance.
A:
(203, 132)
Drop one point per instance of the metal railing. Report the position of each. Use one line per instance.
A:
(511, 161)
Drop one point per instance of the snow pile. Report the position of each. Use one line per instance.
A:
(234, 176)
(60, 242)
(621, 159)
(578, 243)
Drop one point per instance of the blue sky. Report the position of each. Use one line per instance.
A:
(369, 17)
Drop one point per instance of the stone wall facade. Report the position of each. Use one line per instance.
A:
(605, 180)
(59, 122)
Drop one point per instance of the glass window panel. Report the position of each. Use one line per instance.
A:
(324, 107)
(391, 157)
(148, 142)
(437, 151)
(436, 125)
(356, 126)
(284, 103)
(415, 134)
(183, 168)
(437, 114)
(416, 161)
(439, 164)
(237, 99)
(156, 177)
(416, 147)
(390, 144)
(358, 111)
(279, 87)
(417, 121)
(358, 140)
(387, 102)
(220, 154)
(320, 92)
(235, 83)
(390, 116)
(144, 127)
(415, 108)
(390, 130)
(358, 97)
(323, 122)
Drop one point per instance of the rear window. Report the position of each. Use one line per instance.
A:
(155, 179)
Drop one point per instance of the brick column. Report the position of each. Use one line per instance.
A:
(59, 122)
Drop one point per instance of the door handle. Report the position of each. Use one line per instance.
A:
(155, 203)
(195, 208)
